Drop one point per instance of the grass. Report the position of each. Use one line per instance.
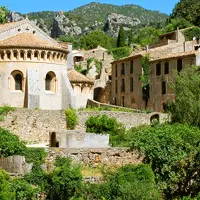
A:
(4, 111)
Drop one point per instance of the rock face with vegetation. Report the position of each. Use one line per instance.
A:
(92, 16)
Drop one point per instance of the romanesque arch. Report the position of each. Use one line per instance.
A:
(17, 80)
(50, 82)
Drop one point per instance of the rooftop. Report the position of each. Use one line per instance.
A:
(76, 77)
(29, 40)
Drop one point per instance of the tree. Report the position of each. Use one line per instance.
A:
(189, 10)
(173, 151)
(186, 107)
(121, 40)
(3, 12)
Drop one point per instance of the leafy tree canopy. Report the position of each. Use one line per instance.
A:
(186, 107)
(3, 12)
(189, 10)
(121, 40)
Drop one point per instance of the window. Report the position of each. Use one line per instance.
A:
(131, 84)
(123, 101)
(50, 82)
(116, 71)
(22, 55)
(16, 81)
(166, 70)
(116, 87)
(29, 55)
(163, 87)
(158, 69)
(43, 55)
(131, 66)
(123, 86)
(123, 69)
(179, 65)
(8, 55)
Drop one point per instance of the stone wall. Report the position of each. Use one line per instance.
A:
(34, 126)
(129, 119)
(93, 157)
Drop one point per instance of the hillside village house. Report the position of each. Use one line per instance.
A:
(34, 71)
(171, 53)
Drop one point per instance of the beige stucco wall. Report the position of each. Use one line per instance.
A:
(131, 99)
(47, 99)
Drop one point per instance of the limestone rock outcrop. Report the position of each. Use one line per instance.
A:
(63, 26)
(114, 21)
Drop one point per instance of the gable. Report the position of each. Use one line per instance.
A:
(24, 26)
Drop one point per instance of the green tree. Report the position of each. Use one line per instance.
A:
(3, 12)
(189, 10)
(121, 40)
(120, 52)
(173, 151)
(186, 107)
(65, 181)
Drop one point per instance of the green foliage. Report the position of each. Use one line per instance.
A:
(75, 40)
(173, 151)
(65, 181)
(119, 53)
(146, 70)
(192, 32)
(10, 144)
(121, 40)
(186, 107)
(131, 182)
(176, 23)
(107, 108)
(104, 124)
(146, 36)
(4, 111)
(35, 155)
(37, 177)
(3, 12)
(97, 38)
(6, 192)
(187, 9)
(72, 119)
(78, 68)
(24, 191)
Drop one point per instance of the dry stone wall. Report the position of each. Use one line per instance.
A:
(95, 157)
(34, 126)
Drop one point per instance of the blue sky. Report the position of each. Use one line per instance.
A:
(25, 6)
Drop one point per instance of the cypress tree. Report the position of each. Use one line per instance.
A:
(121, 38)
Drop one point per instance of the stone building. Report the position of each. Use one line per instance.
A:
(172, 53)
(33, 69)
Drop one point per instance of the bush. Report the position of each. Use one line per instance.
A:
(10, 144)
(6, 192)
(72, 119)
(65, 181)
(24, 191)
(174, 154)
(4, 111)
(120, 52)
(192, 32)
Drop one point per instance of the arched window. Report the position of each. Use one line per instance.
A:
(29, 55)
(8, 55)
(2, 55)
(50, 82)
(17, 80)
(15, 54)
(22, 55)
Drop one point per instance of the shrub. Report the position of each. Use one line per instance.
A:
(4, 111)
(120, 52)
(6, 192)
(192, 32)
(72, 119)
(10, 144)
(65, 181)
(174, 154)
(24, 191)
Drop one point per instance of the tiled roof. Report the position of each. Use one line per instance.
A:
(29, 40)
(174, 55)
(76, 77)
(10, 25)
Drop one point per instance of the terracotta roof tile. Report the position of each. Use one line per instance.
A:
(29, 40)
(76, 77)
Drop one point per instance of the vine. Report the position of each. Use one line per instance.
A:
(145, 78)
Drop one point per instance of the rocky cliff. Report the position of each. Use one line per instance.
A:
(92, 16)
